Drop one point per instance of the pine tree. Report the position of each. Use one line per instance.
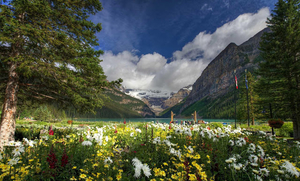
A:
(252, 99)
(47, 54)
(279, 84)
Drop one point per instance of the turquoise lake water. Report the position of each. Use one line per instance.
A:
(160, 120)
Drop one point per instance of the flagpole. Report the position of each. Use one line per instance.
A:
(246, 81)
(235, 99)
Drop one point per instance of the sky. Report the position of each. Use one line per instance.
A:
(166, 44)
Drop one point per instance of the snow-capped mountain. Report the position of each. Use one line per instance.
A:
(157, 100)
(147, 94)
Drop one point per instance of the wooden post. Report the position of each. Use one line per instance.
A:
(172, 115)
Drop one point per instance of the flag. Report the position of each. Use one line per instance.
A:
(236, 83)
(246, 81)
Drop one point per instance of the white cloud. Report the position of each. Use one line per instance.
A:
(151, 63)
(207, 45)
(152, 72)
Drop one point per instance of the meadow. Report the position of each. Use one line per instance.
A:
(147, 151)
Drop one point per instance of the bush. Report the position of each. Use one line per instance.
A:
(215, 125)
(286, 130)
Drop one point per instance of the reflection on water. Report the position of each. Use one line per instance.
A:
(160, 120)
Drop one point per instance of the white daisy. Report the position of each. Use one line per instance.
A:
(290, 168)
(87, 143)
(146, 170)
(108, 161)
(13, 161)
(264, 172)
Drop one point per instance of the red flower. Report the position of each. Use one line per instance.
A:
(208, 128)
(51, 159)
(142, 144)
(64, 159)
(116, 131)
(124, 121)
(170, 127)
(51, 132)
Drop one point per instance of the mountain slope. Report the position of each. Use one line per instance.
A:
(214, 89)
(121, 106)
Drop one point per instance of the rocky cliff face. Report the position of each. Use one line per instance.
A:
(177, 97)
(218, 76)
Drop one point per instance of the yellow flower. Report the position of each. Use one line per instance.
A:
(74, 167)
(119, 177)
(82, 176)
(165, 164)
(73, 178)
(174, 177)
(89, 179)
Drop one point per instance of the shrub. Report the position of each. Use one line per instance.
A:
(215, 125)
(286, 130)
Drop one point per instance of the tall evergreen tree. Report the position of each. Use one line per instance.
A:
(280, 82)
(47, 54)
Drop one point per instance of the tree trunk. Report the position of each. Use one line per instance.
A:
(7, 127)
(296, 127)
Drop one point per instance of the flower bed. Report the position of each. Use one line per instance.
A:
(151, 152)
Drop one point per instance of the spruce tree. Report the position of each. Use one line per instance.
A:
(279, 82)
(47, 54)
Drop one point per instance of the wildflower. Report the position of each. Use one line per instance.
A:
(51, 159)
(11, 143)
(178, 131)
(138, 130)
(230, 160)
(264, 171)
(190, 149)
(139, 166)
(253, 158)
(261, 150)
(254, 164)
(64, 159)
(108, 161)
(231, 142)
(255, 171)
(237, 166)
(280, 171)
(13, 161)
(51, 132)
(131, 134)
(87, 143)
(82, 175)
(146, 170)
(18, 150)
(73, 178)
(290, 168)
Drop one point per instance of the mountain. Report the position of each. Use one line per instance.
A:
(153, 98)
(215, 87)
(177, 97)
(121, 105)
(158, 100)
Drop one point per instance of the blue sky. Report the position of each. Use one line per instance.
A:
(166, 44)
